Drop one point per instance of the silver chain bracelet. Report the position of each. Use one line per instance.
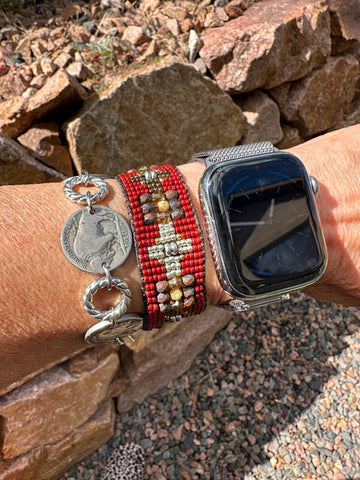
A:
(97, 239)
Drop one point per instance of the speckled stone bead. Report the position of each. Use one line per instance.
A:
(189, 302)
(163, 297)
(162, 217)
(175, 282)
(189, 292)
(162, 286)
(176, 294)
(163, 206)
(174, 203)
(145, 198)
(188, 280)
(177, 214)
(171, 194)
(147, 208)
(150, 218)
(164, 307)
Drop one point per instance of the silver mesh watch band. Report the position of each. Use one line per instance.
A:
(241, 151)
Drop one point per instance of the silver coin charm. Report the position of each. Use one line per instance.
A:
(90, 240)
(106, 332)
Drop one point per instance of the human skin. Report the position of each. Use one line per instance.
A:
(41, 313)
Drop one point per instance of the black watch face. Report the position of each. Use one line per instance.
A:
(267, 219)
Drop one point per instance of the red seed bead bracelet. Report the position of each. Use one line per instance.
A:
(169, 244)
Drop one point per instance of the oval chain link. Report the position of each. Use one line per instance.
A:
(114, 313)
(85, 179)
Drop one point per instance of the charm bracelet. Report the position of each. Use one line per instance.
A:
(97, 240)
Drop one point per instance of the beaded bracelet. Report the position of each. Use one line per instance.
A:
(168, 242)
(97, 239)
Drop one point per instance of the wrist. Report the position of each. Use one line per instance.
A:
(192, 173)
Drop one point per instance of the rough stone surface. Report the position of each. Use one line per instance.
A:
(159, 356)
(317, 102)
(351, 116)
(134, 35)
(60, 91)
(263, 118)
(52, 405)
(164, 115)
(52, 460)
(15, 82)
(291, 137)
(79, 71)
(345, 20)
(89, 359)
(272, 43)
(43, 138)
(18, 167)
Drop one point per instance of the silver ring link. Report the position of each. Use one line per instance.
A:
(85, 179)
(117, 310)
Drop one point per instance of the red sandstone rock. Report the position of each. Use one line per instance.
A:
(18, 114)
(271, 43)
(317, 102)
(78, 33)
(263, 118)
(49, 407)
(135, 35)
(15, 82)
(43, 138)
(18, 166)
(291, 137)
(235, 8)
(345, 20)
(134, 121)
(79, 71)
(51, 460)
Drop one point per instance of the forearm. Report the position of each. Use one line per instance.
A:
(42, 317)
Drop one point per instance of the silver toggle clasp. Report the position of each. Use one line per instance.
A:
(115, 324)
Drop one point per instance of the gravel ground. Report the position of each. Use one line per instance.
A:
(274, 396)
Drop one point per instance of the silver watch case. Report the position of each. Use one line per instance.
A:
(222, 262)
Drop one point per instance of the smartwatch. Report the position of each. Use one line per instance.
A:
(263, 228)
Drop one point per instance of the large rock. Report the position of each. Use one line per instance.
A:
(43, 138)
(263, 118)
(351, 116)
(159, 356)
(49, 407)
(345, 20)
(52, 460)
(61, 92)
(272, 43)
(291, 137)
(163, 115)
(18, 166)
(317, 102)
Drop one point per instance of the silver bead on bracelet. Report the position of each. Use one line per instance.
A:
(97, 239)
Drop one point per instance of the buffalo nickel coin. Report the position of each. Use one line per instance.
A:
(90, 240)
